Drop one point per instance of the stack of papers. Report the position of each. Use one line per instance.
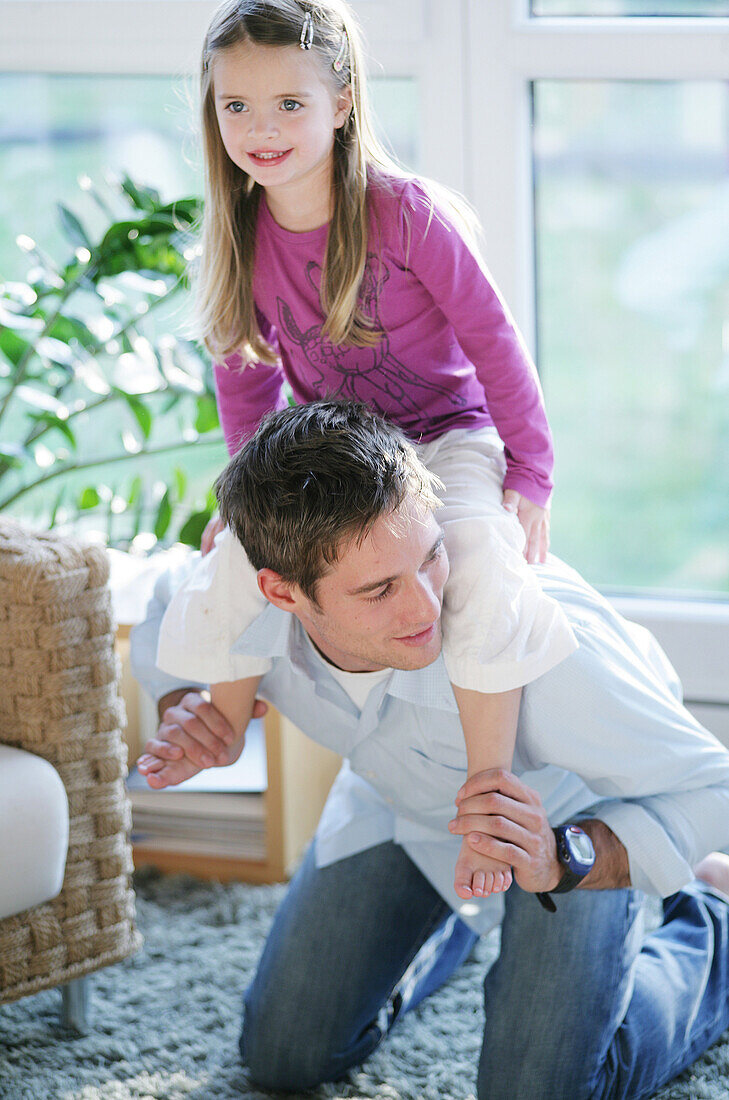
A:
(219, 812)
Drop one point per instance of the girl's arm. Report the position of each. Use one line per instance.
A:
(235, 701)
(458, 281)
(489, 727)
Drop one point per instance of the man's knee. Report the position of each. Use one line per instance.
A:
(555, 997)
(282, 1044)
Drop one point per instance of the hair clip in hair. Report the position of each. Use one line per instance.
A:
(206, 64)
(338, 62)
(307, 32)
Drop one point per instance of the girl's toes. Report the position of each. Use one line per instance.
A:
(478, 883)
(462, 883)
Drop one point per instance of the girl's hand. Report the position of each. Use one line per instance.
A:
(534, 520)
(213, 527)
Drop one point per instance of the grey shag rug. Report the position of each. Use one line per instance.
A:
(165, 1023)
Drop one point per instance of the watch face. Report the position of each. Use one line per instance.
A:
(581, 845)
(578, 852)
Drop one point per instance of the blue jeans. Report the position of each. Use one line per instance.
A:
(580, 1004)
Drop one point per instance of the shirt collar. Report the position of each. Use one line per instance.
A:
(277, 633)
(424, 687)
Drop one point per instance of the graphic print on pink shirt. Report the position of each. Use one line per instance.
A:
(384, 375)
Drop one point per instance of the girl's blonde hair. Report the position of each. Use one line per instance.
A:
(225, 306)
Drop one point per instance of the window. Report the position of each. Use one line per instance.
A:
(631, 184)
(553, 116)
(611, 139)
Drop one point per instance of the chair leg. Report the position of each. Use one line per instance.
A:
(74, 1009)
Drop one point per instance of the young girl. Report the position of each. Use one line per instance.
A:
(326, 266)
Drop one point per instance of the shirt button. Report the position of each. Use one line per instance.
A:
(371, 775)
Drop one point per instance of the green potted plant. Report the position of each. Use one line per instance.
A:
(108, 420)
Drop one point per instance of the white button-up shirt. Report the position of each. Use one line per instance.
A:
(603, 734)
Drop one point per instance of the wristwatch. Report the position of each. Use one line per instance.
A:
(576, 855)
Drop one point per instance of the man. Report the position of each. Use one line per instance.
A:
(335, 510)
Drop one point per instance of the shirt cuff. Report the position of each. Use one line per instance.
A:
(656, 866)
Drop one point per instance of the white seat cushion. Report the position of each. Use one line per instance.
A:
(34, 831)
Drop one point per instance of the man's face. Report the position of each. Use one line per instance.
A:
(380, 604)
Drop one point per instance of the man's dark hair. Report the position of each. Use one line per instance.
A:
(312, 479)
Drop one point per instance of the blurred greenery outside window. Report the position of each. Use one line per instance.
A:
(69, 139)
(632, 245)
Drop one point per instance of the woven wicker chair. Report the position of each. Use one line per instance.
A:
(59, 699)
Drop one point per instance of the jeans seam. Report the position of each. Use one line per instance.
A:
(618, 970)
(429, 926)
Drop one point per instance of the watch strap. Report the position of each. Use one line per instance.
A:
(568, 882)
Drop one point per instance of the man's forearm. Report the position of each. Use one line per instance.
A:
(612, 869)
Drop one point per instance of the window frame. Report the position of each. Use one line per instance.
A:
(407, 38)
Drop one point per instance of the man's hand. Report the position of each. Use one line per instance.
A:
(192, 730)
(503, 818)
(534, 520)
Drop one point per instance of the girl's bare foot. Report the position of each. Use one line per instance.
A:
(165, 773)
(478, 876)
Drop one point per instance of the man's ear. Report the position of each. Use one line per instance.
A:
(277, 591)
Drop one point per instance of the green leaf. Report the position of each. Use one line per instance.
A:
(184, 211)
(144, 198)
(12, 346)
(135, 490)
(142, 414)
(67, 329)
(192, 529)
(53, 421)
(207, 414)
(89, 498)
(164, 516)
(56, 505)
(73, 228)
(180, 482)
(12, 454)
(143, 245)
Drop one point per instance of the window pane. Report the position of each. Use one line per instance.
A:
(688, 8)
(632, 216)
(55, 129)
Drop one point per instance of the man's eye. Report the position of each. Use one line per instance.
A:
(380, 595)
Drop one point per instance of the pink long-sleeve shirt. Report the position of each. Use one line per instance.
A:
(450, 357)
